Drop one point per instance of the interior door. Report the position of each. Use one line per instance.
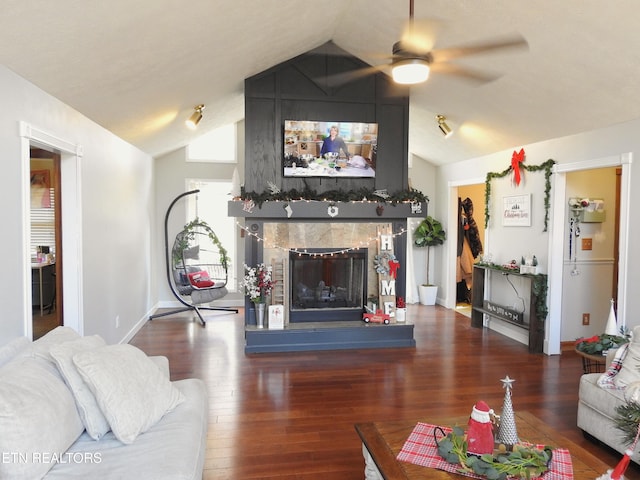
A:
(46, 241)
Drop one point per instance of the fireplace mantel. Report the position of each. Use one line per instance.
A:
(319, 210)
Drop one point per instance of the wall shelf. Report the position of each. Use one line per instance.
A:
(536, 324)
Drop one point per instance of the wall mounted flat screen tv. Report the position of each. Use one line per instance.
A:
(330, 149)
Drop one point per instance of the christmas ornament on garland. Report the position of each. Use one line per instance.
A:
(248, 206)
(332, 210)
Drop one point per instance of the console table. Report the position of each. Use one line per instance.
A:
(535, 325)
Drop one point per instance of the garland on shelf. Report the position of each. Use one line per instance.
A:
(538, 287)
(359, 195)
(546, 166)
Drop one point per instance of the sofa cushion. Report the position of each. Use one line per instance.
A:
(130, 389)
(92, 418)
(38, 418)
(173, 449)
(42, 346)
(13, 349)
(600, 399)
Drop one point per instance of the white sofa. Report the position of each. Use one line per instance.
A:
(597, 405)
(61, 392)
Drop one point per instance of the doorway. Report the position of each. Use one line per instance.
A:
(69, 271)
(470, 234)
(590, 262)
(45, 241)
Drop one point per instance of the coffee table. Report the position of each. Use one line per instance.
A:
(382, 441)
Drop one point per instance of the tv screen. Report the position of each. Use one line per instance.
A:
(330, 149)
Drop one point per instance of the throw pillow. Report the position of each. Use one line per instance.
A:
(94, 421)
(12, 349)
(40, 348)
(200, 279)
(38, 418)
(130, 389)
(630, 369)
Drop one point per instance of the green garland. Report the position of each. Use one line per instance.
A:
(403, 196)
(628, 421)
(189, 235)
(524, 461)
(546, 166)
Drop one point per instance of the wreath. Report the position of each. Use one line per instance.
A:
(381, 262)
(546, 166)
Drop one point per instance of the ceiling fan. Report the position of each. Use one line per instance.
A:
(412, 60)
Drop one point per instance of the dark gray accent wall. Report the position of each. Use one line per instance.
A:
(313, 86)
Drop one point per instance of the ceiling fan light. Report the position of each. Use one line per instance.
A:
(195, 117)
(410, 71)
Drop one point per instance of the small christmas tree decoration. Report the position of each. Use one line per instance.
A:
(507, 433)
(612, 325)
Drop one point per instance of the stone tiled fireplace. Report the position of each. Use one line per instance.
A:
(277, 233)
(335, 272)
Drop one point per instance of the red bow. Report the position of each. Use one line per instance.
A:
(516, 159)
(394, 265)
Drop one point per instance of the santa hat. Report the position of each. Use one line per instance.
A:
(481, 412)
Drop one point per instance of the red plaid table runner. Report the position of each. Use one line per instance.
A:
(421, 449)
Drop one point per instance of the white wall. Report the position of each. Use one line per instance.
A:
(118, 279)
(575, 149)
(422, 176)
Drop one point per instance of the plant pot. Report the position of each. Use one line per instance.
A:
(428, 294)
(401, 314)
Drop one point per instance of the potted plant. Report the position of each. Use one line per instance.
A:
(429, 234)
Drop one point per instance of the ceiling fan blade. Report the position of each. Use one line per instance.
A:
(466, 73)
(339, 79)
(445, 54)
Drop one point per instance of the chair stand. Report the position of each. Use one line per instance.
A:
(195, 309)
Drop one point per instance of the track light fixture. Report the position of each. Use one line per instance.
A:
(442, 125)
(195, 117)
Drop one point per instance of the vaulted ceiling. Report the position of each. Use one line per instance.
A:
(138, 67)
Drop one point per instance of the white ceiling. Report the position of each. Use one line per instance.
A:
(138, 67)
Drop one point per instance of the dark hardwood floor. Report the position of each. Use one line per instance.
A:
(291, 415)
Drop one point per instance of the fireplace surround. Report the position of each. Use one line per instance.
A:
(277, 229)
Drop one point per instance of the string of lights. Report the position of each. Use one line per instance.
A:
(328, 253)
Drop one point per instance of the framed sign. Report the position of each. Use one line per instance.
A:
(516, 211)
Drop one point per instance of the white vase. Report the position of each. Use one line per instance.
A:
(428, 294)
(401, 314)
